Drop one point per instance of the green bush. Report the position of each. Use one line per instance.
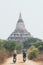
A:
(33, 52)
(9, 45)
(40, 48)
(7, 48)
(39, 45)
(12, 45)
(19, 47)
(30, 41)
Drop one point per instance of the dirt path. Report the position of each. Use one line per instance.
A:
(9, 61)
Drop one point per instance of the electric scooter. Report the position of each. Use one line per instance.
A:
(24, 59)
(14, 59)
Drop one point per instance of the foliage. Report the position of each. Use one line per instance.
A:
(30, 42)
(9, 45)
(39, 45)
(33, 52)
(19, 47)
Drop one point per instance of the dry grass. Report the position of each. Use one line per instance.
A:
(40, 63)
(39, 57)
(3, 56)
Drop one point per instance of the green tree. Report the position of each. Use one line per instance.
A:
(39, 45)
(30, 42)
(9, 45)
(19, 47)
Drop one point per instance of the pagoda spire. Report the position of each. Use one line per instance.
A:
(20, 17)
(20, 20)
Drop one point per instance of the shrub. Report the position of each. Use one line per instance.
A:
(9, 45)
(30, 41)
(40, 48)
(33, 52)
(39, 45)
(19, 47)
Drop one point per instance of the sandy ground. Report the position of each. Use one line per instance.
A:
(9, 61)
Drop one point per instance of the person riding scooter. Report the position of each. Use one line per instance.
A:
(14, 56)
(24, 55)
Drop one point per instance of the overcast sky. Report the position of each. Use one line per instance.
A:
(32, 14)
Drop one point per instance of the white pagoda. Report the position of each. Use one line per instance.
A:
(20, 34)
